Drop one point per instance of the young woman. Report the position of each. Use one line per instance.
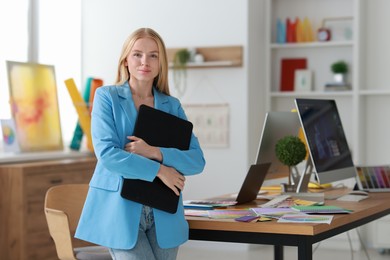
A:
(129, 229)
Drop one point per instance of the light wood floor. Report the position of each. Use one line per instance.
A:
(195, 250)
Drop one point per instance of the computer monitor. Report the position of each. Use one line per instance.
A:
(276, 126)
(328, 147)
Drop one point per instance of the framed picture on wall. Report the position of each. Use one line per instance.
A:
(34, 106)
(303, 80)
(340, 28)
(211, 123)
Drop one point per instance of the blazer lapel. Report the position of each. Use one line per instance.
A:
(127, 103)
(161, 101)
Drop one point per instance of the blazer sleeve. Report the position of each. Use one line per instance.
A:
(188, 162)
(107, 120)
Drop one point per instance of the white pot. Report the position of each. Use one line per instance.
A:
(340, 77)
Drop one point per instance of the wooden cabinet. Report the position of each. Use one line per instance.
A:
(24, 233)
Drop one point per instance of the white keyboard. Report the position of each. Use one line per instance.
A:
(275, 201)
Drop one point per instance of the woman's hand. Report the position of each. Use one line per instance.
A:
(172, 178)
(140, 147)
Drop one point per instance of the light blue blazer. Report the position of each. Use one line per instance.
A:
(107, 219)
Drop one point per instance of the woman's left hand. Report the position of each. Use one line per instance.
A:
(140, 147)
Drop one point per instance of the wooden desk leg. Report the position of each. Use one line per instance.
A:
(305, 251)
(278, 252)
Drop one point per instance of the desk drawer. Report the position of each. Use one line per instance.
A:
(36, 187)
(40, 246)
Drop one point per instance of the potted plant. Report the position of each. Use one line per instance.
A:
(340, 70)
(180, 60)
(290, 151)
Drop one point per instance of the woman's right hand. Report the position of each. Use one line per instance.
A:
(172, 178)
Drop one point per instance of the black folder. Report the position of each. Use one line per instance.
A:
(157, 128)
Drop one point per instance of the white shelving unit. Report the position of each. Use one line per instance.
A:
(364, 109)
(319, 56)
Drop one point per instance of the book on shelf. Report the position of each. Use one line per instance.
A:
(334, 86)
(288, 68)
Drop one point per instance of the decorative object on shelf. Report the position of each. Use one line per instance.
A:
(77, 138)
(341, 28)
(81, 109)
(88, 95)
(304, 31)
(308, 34)
(323, 34)
(95, 84)
(299, 34)
(339, 70)
(303, 80)
(34, 106)
(287, 75)
(198, 58)
(280, 31)
(290, 151)
(10, 139)
(180, 60)
(291, 30)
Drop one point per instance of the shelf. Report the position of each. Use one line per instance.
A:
(376, 92)
(311, 45)
(206, 64)
(312, 93)
(214, 57)
(7, 157)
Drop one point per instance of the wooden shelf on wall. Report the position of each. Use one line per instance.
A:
(214, 57)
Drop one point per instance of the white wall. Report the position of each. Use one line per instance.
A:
(190, 23)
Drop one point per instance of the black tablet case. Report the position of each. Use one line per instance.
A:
(157, 128)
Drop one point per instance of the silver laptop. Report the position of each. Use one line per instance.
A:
(248, 191)
(276, 126)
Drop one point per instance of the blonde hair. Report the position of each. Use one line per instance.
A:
(123, 75)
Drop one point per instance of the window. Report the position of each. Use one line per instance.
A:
(52, 36)
(14, 44)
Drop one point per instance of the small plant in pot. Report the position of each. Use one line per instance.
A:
(180, 60)
(290, 151)
(340, 70)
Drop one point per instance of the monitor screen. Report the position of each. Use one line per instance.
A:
(276, 126)
(326, 139)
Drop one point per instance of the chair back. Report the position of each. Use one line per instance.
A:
(63, 206)
(68, 198)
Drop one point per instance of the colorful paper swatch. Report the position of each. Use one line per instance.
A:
(321, 209)
(374, 177)
(230, 214)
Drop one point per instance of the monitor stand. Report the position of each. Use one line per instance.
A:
(304, 179)
(300, 181)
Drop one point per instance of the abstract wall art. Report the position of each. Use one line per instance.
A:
(34, 106)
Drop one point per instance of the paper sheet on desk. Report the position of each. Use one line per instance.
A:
(303, 218)
(230, 214)
(351, 197)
